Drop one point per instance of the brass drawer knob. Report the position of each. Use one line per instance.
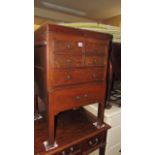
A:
(68, 60)
(85, 95)
(94, 76)
(78, 97)
(71, 149)
(63, 153)
(68, 45)
(93, 143)
(94, 61)
(68, 77)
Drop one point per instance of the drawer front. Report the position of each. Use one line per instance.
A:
(67, 61)
(67, 43)
(96, 141)
(68, 46)
(75, 76)
(95, 48)
(72, 150)
(94, 60)
(72, 97)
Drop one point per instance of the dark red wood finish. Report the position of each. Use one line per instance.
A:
(75, 134)
(70, 69)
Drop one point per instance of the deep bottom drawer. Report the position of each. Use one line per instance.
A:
(68, 98)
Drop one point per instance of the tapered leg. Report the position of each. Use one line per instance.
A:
(100, 114)
(102, 150)
(51, 125)
(50, 143)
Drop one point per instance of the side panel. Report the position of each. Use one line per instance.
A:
(40, 71)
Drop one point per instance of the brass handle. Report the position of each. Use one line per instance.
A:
(71, 149)
(94, 76)
(68, 77)
(78, 97)
(95, 143)
(68, 60)
(68, 45)
(94, 61)
(85, 95)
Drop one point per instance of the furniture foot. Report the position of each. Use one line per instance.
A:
(49, 146)
(37, 116)
(98, 126)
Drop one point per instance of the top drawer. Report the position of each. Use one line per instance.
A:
(68, 44)
(95, 48)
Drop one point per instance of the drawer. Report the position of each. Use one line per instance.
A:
(65, 61)
(72, 150)
(74, 76)
(95, 48)
(96, 141)
(72, 97)
(68, 46)
(94, 60)
(67, 43)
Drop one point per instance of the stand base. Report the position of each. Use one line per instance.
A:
(97, 126)
(49, 146)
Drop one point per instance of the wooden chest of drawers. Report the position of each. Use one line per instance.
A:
(70, 69)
